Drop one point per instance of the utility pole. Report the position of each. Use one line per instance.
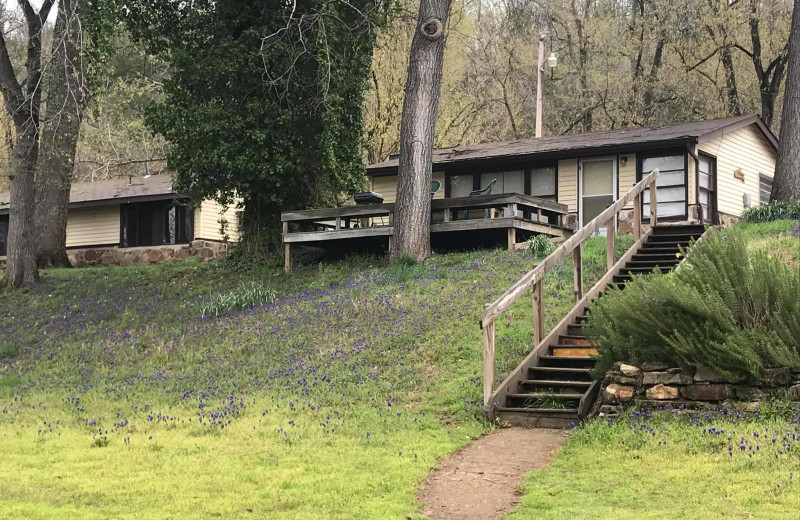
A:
(552, 61)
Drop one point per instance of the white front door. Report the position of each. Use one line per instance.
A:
(597, 187)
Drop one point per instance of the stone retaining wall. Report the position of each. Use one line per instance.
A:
(205, 250)
(659, 384)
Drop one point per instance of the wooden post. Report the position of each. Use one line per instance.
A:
(488, 362)
(637, 217)
(287, 251)
(338, 223)
(512, 238)
(577, 262)
(611, 233)
(538, 312)
(448, 215)
(653, 204)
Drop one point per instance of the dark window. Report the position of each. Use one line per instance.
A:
(156, 223)
(765, 190)
(3, 234)
(543, 183)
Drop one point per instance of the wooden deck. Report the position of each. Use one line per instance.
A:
(511, 216)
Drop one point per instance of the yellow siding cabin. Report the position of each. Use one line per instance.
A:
(710, 172)
(139, 220)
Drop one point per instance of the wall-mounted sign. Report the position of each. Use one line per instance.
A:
(738, 174)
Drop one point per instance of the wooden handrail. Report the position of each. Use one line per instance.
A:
(533, 279)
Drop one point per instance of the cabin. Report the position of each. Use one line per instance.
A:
(142, 220)
(710, 172)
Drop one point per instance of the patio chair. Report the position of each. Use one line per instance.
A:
(435, 185)
(477, 193)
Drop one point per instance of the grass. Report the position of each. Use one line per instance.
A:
(721, 463)
(335, 400)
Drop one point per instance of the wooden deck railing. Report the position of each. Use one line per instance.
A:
(533, 280)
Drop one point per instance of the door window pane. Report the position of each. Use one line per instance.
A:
(598, 178)
(673, 162)
(594, 205)
(543, 182)
(156, 223)
(460, 185)
(671, 184)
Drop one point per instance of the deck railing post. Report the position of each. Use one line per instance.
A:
(577, 262)
(611, 233)
(637, 217)
(653, 204)
(287, 250)
(488, 362)
(538, 312)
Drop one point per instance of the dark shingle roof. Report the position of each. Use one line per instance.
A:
(520, 148)
(113, 191)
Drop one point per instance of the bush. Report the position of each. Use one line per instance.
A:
(772, 211)
(243, 297)
(541, 246)
(724, 308)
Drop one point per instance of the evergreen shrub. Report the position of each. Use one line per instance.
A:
(733, 311)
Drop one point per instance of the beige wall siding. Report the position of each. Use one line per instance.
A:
(568, 184)
(93, 226)
(626, 175)
(387, 186)
(744, 148)
(207, 219)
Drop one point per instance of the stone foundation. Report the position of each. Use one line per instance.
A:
(658, 384)
(205, 250)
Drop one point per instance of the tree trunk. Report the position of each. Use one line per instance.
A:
(731, 90)
(20, 260)
(23, 101)
(423, 85)
(66, 102)
(786, 184)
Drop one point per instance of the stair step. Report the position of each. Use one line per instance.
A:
(639, 257)
(572, 350)
(539, 418)
(559, 373)
(645, 269)
(540, 395)
(575, 330)
(583, 318)
(654, 261)
(694, 229)
(566, 361)
(664, 246)
(673, 237)
(580, 341)
(555, 383)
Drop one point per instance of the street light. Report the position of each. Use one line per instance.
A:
(551, 61)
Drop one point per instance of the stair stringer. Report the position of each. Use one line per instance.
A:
(532, 359)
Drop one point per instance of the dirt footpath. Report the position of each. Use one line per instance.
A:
(481, 481)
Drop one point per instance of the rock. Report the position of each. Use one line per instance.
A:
(661, 378)
(711, 392)
(627, 380)
(612, 410)
(615, 392)
(708, 375)
(794, 393)
(630, 370)
(652, 366)
(748, 393)
(661, 393)
(776, 376)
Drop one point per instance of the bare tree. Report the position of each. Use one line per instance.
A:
(786, 184)
(66, 103)
(417, 126)
(23, 101)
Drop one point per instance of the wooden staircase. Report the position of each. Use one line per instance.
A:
(557, 388)
(552, 387)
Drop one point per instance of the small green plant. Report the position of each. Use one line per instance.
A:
(100, 442)
(245, 296)
(405, 261)
(772, 211)
(8, 350)
(541, 246)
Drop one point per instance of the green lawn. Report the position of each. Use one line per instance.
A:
(118, 400)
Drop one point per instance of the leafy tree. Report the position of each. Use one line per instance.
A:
(264, 99)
